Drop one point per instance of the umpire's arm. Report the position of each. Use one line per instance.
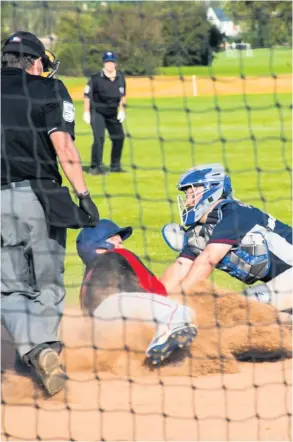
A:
(60, 121)
(86, 97)
(69, 160)
(86, 102)
(122, 103)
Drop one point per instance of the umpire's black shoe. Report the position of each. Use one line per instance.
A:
(102, 170)
(21, 368)
(117, 170)
(49, 371)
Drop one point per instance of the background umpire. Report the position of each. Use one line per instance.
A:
(37, 123)
(104, 93)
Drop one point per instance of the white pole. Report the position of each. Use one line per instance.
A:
(194, 86)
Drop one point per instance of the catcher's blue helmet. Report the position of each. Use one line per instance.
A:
(216, 184)
(92, 238)
(109, 56)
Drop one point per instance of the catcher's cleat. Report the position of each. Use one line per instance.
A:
(49, 371)
(164, 345)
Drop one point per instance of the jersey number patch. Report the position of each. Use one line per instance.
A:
(68, 111)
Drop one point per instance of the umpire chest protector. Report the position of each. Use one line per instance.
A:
(248, 261)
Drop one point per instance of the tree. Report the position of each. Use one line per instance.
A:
(190, 38)
(144, 34)
(132, 33)
(76, 38)
(38, 17)
(6, 20)
(263, 24)
(135, 35)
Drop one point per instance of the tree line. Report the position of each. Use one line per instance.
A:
(145, 35)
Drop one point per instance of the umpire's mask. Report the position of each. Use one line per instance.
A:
(50, 64)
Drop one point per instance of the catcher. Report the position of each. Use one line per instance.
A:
(221, 232)
(116, 284)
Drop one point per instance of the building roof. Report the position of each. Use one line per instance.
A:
(221, 15)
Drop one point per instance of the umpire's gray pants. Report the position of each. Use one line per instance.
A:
(32, 259)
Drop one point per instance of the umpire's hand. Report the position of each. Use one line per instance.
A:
(121, 116)
(87, 117)
(88, 206)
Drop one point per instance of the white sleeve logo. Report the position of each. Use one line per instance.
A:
(86, 89)
(68, 111)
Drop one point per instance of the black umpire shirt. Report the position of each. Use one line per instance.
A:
(104, 94)
(33, 107)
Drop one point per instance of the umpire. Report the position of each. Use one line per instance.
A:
(37, 122)
(103, 95)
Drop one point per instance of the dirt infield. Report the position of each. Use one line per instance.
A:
(160, 86)
(112, 394)
(169, 408)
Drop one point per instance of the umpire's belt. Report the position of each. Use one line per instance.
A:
(25, 183)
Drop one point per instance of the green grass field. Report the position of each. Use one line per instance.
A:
(264, 62)
(161, 143)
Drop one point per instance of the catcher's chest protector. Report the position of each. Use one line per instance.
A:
(248, 261)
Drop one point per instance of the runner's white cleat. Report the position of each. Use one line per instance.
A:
(162, 347)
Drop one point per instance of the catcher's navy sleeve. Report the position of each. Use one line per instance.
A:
(59, 111)
(237, 220)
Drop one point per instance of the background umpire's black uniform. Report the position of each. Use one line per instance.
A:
(105, 96)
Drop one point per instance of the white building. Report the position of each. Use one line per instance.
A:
(224, 24)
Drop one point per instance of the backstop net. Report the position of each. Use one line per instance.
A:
(206, 83)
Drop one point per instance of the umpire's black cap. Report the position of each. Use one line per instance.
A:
(27, 43)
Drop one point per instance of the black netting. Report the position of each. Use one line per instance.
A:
(206, 83)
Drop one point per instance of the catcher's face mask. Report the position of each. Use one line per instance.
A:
(50, 64)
